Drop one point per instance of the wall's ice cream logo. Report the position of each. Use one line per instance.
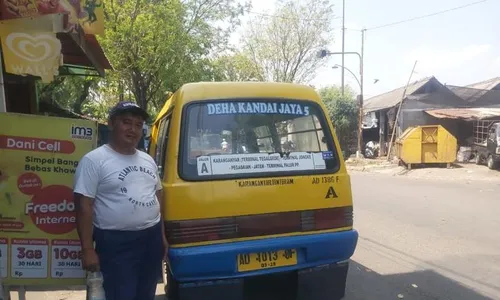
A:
(31, 53)
(33, 48)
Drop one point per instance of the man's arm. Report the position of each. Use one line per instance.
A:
(84, 191)
(84, 213)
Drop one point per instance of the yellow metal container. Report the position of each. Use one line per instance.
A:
(431, 144)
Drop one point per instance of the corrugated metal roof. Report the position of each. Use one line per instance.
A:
(467, 114)
(477, 97)
(486, 85)
(466, 93)
(392, 98)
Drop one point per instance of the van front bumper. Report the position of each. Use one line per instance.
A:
(219, 261)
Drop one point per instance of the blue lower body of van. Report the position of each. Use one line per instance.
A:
(219, 261)
(321, 269)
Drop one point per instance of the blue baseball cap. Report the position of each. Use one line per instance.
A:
(128, 107)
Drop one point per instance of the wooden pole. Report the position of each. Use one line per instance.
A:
(343, 45)
(3, 101)
(361, 95)
(398, 112)
(21, 292)
(4, 292)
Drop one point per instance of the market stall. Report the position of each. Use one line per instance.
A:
(41, 40)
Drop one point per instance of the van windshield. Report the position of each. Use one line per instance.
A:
(256, 138)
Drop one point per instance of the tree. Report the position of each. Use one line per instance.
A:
(343, 111)
(285, 45)
(155, 46)
(69, 92)
(236, 67)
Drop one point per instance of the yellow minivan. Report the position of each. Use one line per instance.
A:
(255, 185)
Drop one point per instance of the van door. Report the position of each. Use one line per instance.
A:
(491, 143)
(161, 143)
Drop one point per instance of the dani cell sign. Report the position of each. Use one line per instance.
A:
(39, 243)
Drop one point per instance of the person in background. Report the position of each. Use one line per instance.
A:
(224, 145)
(119, 207)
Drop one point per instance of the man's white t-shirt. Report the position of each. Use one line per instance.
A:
(123, 188)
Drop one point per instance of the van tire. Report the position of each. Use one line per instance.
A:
(478, 160)
(171, 285)
(491, 163)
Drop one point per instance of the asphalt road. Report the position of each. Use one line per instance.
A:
(419, 239)
(424, 239)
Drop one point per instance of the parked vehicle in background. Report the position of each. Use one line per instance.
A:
(255, 185)
(486, 146)
(372, 149)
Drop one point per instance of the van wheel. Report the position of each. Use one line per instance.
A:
(478, 159)
(491, 163)
(171, 285)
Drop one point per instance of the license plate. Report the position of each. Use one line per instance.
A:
(266, 260)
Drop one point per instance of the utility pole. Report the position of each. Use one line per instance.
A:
(343, 45)
(361, 95)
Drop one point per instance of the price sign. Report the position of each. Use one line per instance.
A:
(66, 259)
(3, 258)
(29, 258)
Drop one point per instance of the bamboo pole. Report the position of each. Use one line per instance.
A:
(398, 112)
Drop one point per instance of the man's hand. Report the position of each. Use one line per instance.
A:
(84, 211)
(90, 260)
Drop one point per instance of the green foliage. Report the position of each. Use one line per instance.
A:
(286, 45)
(69, 92)
(141, 39)
(156, 46)
(236, 67)
(343, 111)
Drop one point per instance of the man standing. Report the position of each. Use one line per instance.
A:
(119, 206)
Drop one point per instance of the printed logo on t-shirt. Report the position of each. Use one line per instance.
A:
(123, 175)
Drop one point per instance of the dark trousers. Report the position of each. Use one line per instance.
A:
(130, 262)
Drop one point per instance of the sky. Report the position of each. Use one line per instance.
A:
(459, 47)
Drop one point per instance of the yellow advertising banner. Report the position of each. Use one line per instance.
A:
(39, 243)
(92, 16)
(87, 13)
(30, 53)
